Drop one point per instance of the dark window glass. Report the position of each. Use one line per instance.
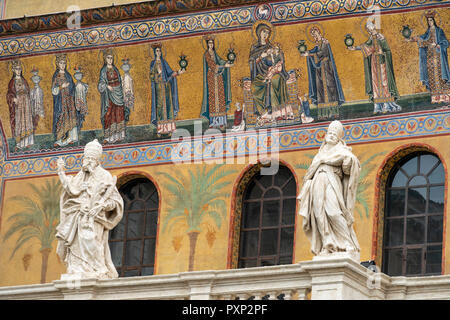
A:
(400, 179)
(290, 188)
(396, 201)
(288, 213)
(415, 230)
(413, 226)
(133, 240)
(151, 223)
(268, 219)
(417, 200)
(287, 240)
(282, 176)
(269, 241)
(271, 213)
(410, 167)
(434, 259)
(255, 191)
(418, 181)
(414, 261)
(249, 242)
(427, 162)
(437, 176)
(394, 232)
(436, 201)
(393, 262)
(272, 193)
(251, 219)
(435, 228)
(247, 263)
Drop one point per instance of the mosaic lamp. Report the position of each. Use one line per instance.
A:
(183, 62)
(78, 75)
(126, 66)
(35, 78)
(348, 40)
(231, 56)
(301, 46)
(406, 32)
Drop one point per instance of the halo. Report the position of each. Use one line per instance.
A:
(267, 23)
(163, 51)
(101, 59)
(216, 42)
(423, 19)
(362, 25)
(308, 30)
(67, 62)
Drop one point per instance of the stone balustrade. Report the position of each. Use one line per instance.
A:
(332, 278)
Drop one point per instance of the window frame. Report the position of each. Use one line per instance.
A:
(404, 246)
(123, 268)
(260, 228)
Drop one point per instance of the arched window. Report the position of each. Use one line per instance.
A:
(268, 220)
(132, 241)
(414, 208)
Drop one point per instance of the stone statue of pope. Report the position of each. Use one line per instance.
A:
(328, 196)
(90, 206)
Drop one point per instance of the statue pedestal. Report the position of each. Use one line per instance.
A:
(354, 255)
(340, 276)
(74, 287)
(78, 276)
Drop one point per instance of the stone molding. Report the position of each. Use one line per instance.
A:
(335, 278)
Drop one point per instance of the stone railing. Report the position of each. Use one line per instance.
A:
(331, 278)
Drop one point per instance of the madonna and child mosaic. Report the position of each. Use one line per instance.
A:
(278, 76)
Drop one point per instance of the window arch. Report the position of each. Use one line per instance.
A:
(267, 220)
(133, 240)
(413, 221)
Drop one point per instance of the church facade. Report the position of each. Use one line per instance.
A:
(209, 114)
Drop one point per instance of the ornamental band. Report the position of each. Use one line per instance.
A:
(328, 196)
(90, 206)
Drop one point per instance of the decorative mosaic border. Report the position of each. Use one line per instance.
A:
(114, 13)
(248, 143)
(146, 30)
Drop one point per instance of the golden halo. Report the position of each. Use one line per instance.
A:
(424, 22)
(101, 59)
(216, 42)
(362, 25)
(67, 62)
(268, 24)
(309, 26)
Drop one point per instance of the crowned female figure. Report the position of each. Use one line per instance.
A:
(216, 86)
(114, 113)
(433, 62)
(65, 116)
(164, 92)
(20, 108)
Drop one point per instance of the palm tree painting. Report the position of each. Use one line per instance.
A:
(197, 195)
(37, 220)
(367, 166)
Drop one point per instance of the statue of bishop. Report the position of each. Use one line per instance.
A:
(90, 207)
(328, 196)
